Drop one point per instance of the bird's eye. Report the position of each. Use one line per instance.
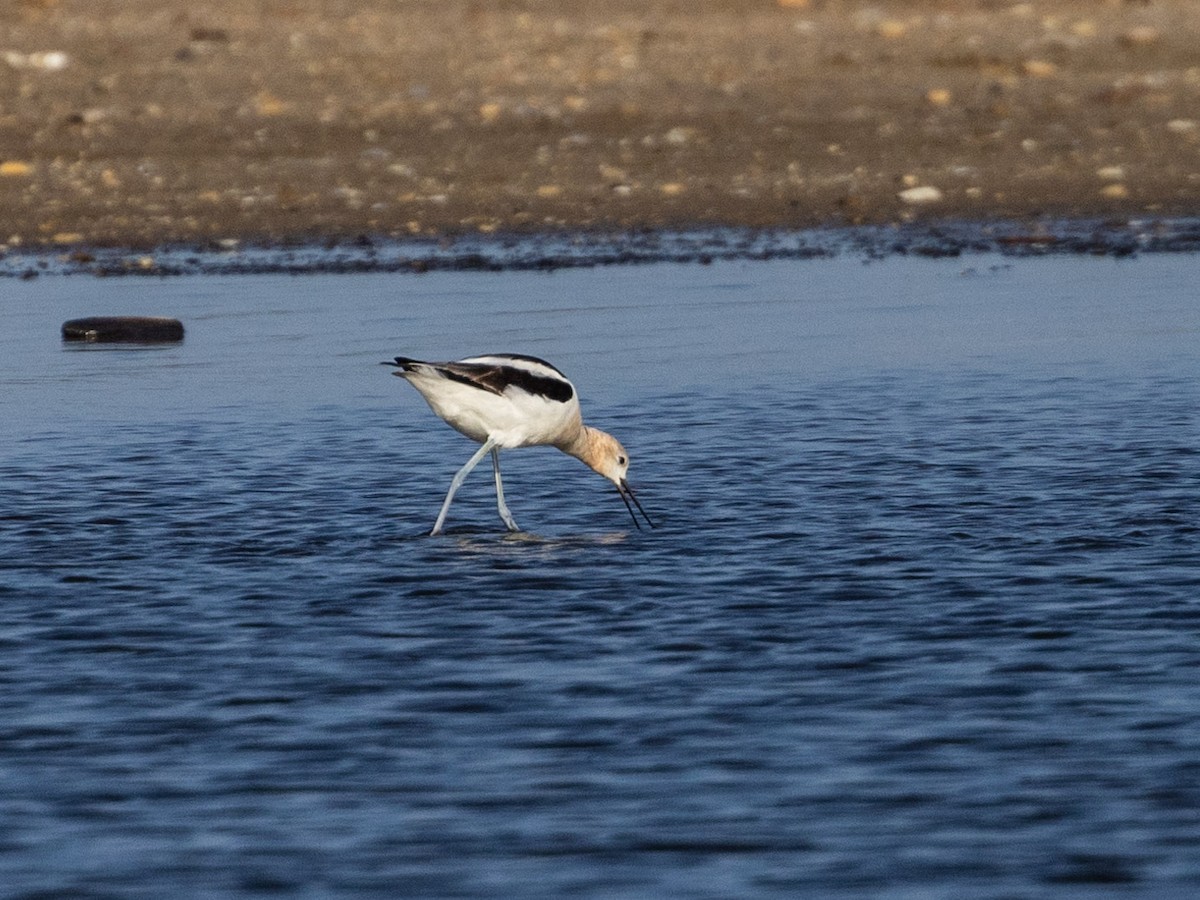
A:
(621, 460)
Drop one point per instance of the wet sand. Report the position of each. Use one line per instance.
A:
(139, 123)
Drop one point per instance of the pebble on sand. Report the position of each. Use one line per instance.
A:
(268, 105)
(13, 168)
(925, 193)
(679, 135)
(50, 61)
(1139, 36)
(1039, 68)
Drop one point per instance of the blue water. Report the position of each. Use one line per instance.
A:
(921, 618)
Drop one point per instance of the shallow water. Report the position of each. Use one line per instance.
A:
(920, 618)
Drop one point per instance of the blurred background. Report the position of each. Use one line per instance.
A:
(139, 122)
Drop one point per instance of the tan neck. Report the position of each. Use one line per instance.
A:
(584, 445)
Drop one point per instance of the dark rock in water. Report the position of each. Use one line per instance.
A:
(123, 329)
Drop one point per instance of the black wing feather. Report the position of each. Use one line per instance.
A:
(497, 379)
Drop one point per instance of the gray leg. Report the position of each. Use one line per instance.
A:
(457, 481)
(509, 522)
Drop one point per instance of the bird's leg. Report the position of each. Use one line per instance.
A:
(509, 522)
(457, 481)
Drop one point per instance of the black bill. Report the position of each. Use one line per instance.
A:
(627, 495)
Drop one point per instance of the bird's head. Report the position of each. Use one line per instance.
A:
(604, 454)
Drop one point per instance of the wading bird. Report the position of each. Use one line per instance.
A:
(505, 400)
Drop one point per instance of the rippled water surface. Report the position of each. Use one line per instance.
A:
(921, 618)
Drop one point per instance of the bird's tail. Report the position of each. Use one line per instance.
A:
(404, 363)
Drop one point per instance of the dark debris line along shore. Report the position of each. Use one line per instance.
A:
(548, 252)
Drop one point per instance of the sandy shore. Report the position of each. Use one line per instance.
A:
(135, 123)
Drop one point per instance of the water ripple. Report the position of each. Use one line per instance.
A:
(921, 632)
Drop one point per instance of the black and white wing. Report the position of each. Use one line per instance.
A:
(501, 373)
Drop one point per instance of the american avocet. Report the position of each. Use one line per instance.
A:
(505, 400)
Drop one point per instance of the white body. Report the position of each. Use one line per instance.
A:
(513, 418)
